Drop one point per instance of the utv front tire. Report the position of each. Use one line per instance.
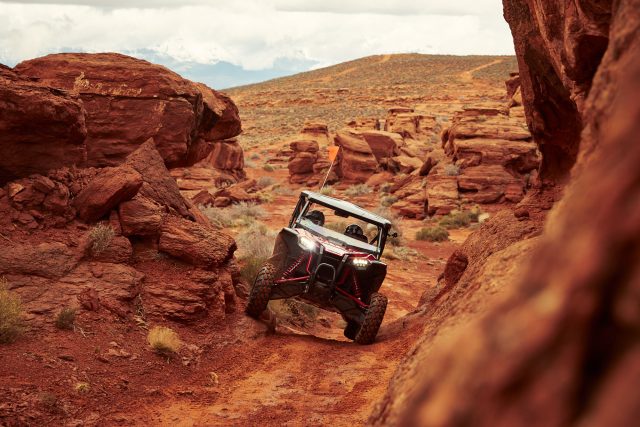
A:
(372, 319)
(261, 291)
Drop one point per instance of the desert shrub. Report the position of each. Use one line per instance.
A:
(163, 340)
(388, 200)
(219, 217)
(432, 234)
(386, 187)
(82, 387)
(268, 168)
(282, 190)
(452, 170)
(254, 156)
(459, 219)
(266, 197)
(246, 210)
(327, 191)
(11, 325)
(264, 182)
(255, 245)
(401, 253)
(249, 164)
(357, 190)
(100, 236)
(65, 318)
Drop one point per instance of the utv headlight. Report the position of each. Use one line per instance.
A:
(360, 262)
(307, 243)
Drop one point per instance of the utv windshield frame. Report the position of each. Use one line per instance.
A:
(341, 208)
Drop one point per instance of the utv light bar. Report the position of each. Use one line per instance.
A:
(360, 262)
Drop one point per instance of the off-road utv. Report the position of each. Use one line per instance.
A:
(334, 270)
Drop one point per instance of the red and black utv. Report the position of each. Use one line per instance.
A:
(334, 270)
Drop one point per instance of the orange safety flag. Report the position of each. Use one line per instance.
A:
(333, 152)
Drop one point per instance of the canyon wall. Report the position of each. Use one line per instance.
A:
(543, 330)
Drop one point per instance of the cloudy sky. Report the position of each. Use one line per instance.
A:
(230, 42)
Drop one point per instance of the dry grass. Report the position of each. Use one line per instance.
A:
(101, 236)
(264, 182)
(11, 325)
(255, 246)
(357, 190)
(82, 387)
(327, 190)
(241, 214)
(66, 318)
(459, 219)
(432, 234)
(164, 341)
(401, 253)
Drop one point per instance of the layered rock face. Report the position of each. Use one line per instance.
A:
(559, 45)
(540, 331)
(127, 101)
(41, 128)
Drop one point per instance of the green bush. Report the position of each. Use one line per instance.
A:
(254, 156)
(268, 168)
(66, 318)
(432, 234)
(11, 325)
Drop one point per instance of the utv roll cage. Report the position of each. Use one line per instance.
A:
(343, 209)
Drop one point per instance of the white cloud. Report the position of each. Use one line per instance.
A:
(253, 34)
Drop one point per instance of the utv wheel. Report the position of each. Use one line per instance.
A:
(372, 319)
(261, 291)
(351, 330)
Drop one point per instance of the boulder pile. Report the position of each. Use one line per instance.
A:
(79, 232)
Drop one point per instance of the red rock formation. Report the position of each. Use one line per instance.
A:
(138, 199)
(356, 161)
(129, 101)
(547, 328)
(559, 45)
(40, 128)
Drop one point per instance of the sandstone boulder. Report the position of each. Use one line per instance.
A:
(140, 216)
(227, 156)
(489, 184)
(194, 243)
(49, 260)
(356, 161)
(128, 101)
(205, 294)
(106, 191)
